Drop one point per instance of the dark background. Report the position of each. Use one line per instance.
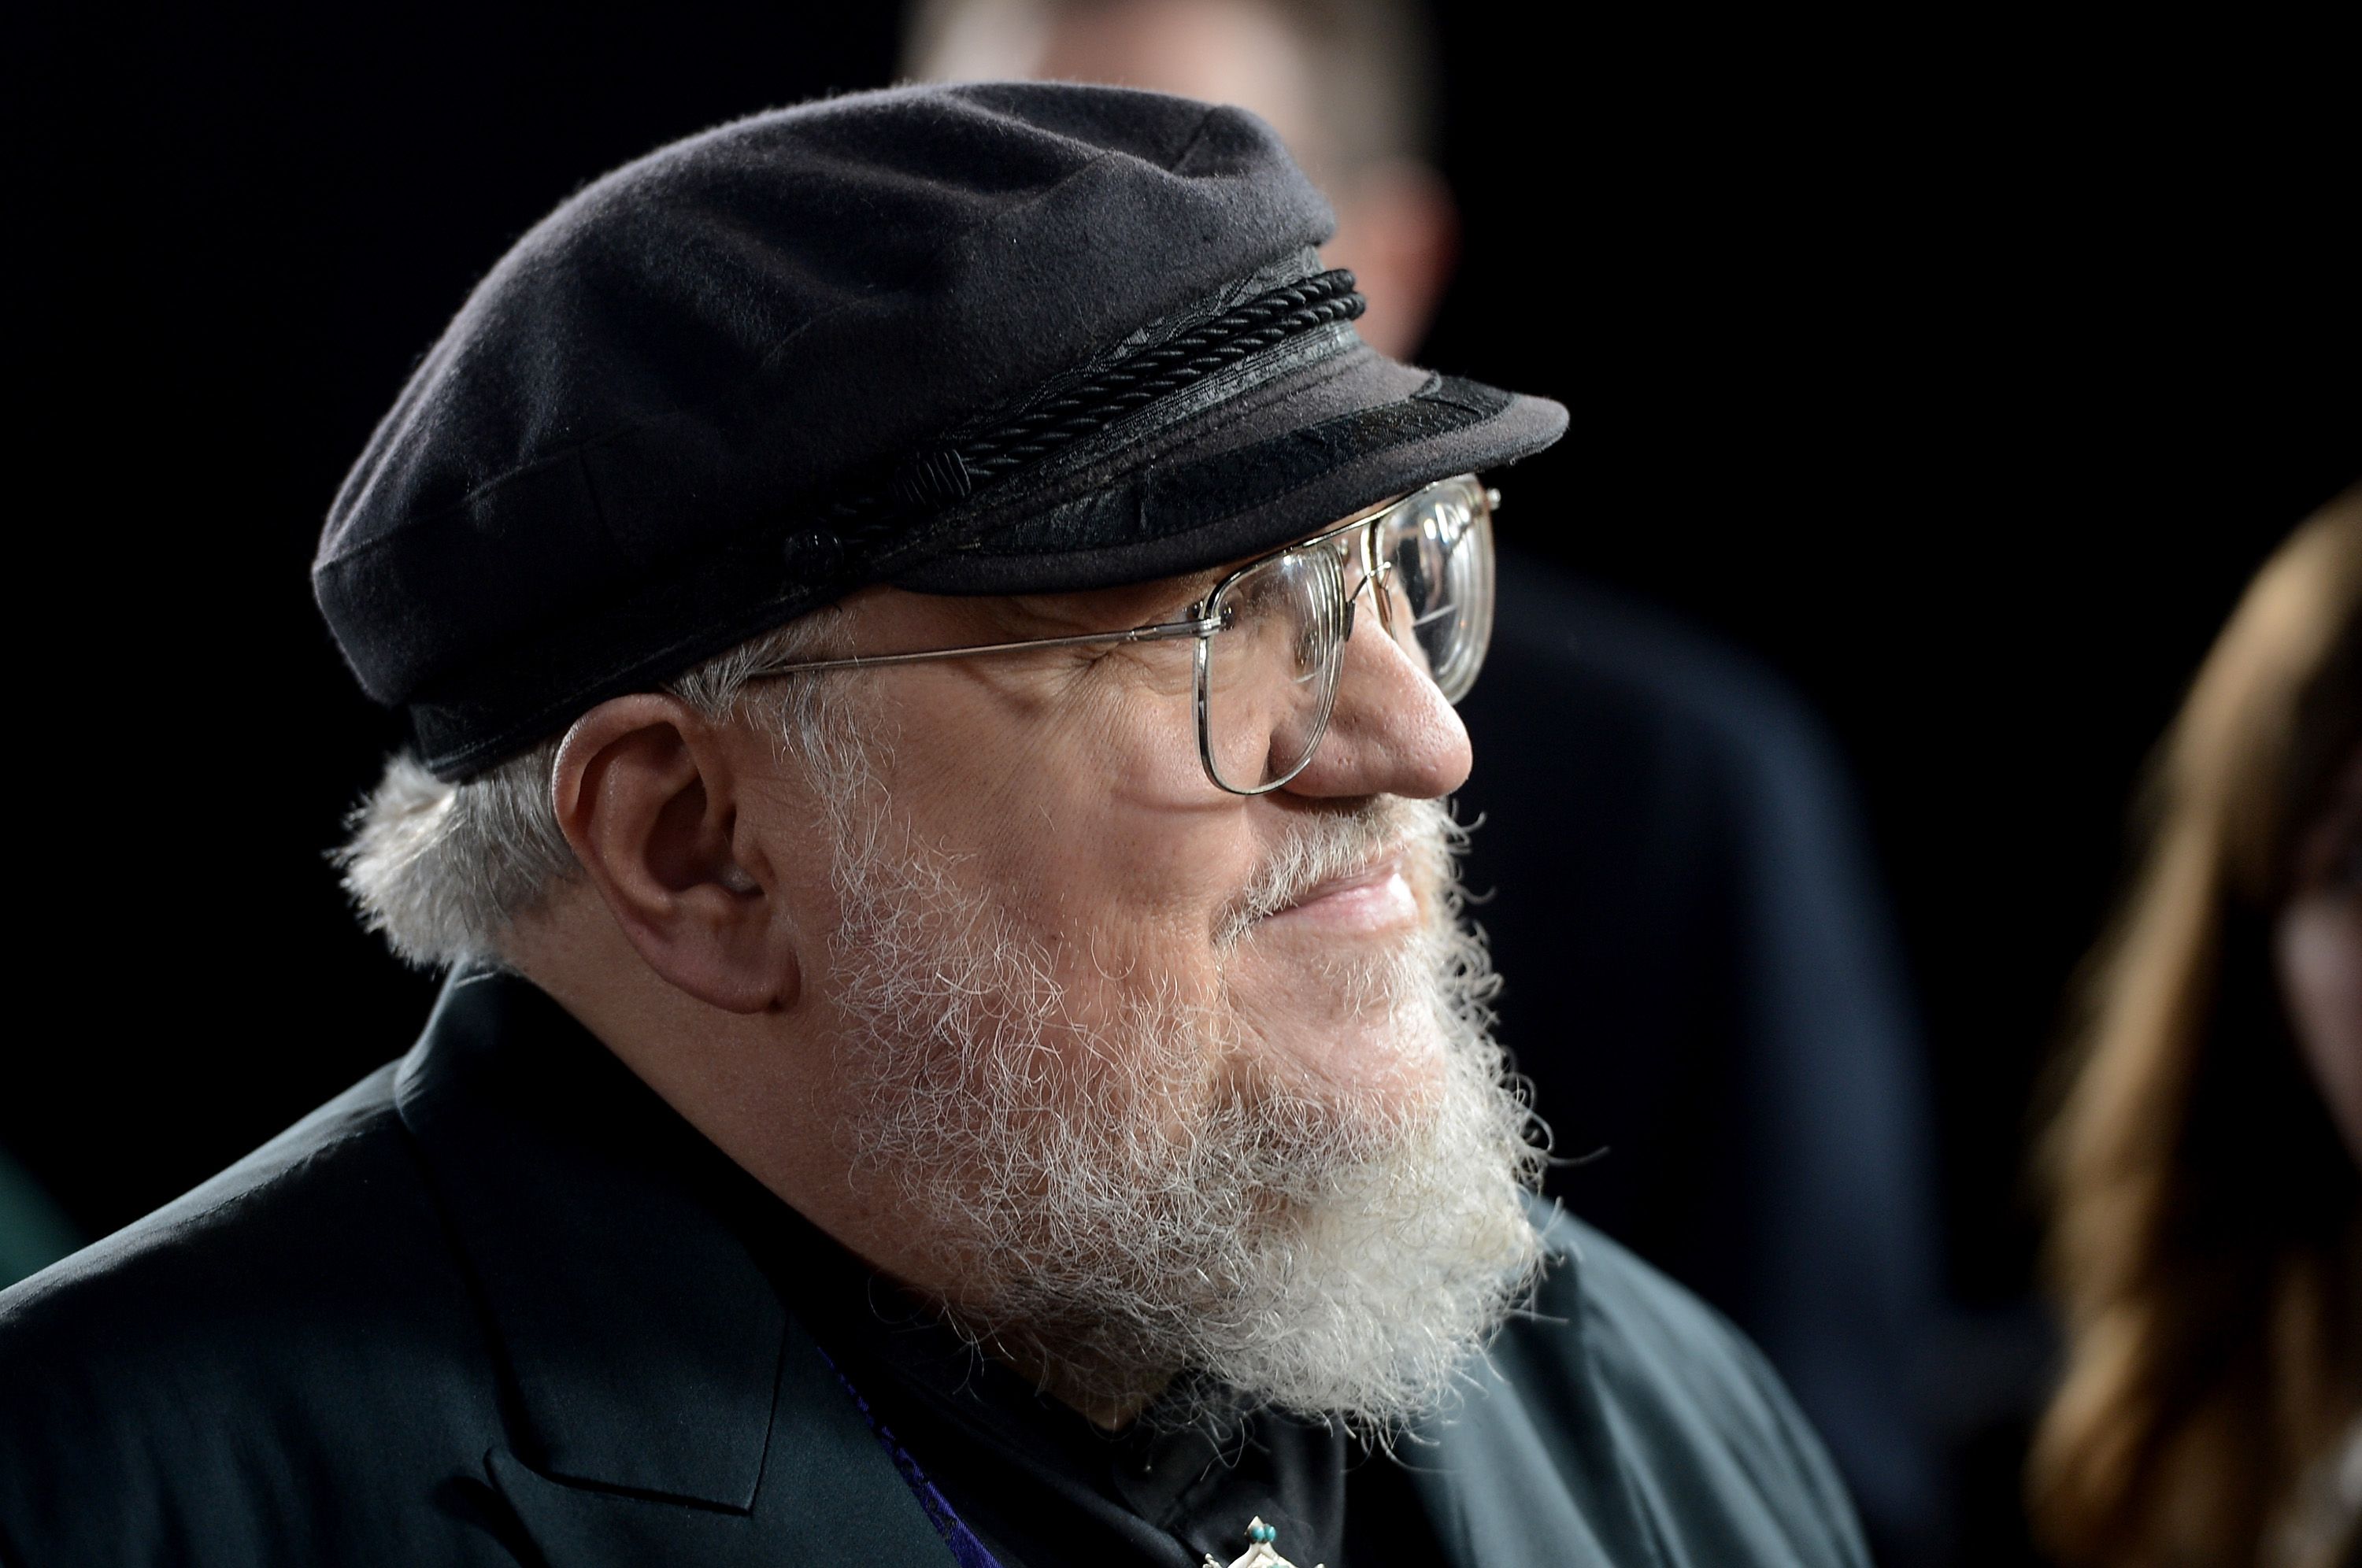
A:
(1962, 377)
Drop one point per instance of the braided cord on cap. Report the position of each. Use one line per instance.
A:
(953, 473)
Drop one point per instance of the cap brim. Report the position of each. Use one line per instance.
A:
(1247, 474)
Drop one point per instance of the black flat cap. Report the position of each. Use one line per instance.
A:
(977, 339)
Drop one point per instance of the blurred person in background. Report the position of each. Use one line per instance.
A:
(2206, 1166)
(1669, 836)
(1347, 84)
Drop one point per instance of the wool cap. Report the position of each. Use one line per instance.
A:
(1007, 337)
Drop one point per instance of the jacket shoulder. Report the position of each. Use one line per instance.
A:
(1716, 1447)
(203, 1377)
(201, 1251)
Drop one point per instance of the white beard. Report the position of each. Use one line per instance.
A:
(1126, 1204)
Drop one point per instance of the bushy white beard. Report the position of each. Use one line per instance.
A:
(1128, 1203)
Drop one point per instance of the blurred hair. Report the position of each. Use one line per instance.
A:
(441, 870)
(2207, 1221)
(1373, 81)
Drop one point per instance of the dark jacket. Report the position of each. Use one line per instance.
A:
(497, 1305)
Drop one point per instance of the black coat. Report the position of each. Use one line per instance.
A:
(497, 1304)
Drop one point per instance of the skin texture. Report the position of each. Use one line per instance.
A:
(2318, 947)
(1063, 787)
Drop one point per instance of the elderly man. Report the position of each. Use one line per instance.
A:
(929, 644)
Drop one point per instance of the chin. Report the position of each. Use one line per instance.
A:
(1379, 1059)
(1365, 1077)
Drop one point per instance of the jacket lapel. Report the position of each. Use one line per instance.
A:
(662, 1405)
(829, 1496)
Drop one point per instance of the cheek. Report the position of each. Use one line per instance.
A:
(2319, 949)
(1108, 845)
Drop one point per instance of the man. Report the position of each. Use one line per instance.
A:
(929, 640)
(1702, 980)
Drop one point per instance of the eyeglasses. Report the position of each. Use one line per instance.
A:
(1271, 637)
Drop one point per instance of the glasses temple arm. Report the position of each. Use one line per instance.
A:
(1162, 632)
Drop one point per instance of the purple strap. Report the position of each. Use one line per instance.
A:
(966, 1550)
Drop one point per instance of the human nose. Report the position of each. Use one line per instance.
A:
(1391, 732)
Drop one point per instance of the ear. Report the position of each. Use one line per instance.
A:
(648, 795)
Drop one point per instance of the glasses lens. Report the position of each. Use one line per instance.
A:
(1271, 672)
(1439, 545)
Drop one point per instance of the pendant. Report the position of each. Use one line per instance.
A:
(1261, 1554)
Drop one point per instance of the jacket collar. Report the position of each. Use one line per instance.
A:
(642, 1337)
(662, 1404)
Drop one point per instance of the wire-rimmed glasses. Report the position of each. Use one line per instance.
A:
(1271, 637)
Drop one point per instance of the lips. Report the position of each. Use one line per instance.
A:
(1351, 881)
(1372, 898)
(1329, 861)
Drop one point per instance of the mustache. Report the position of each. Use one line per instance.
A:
(1325, 843)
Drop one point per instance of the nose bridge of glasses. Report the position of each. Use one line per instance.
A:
(1364, 550)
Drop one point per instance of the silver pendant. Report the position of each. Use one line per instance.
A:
(1260, 1553)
